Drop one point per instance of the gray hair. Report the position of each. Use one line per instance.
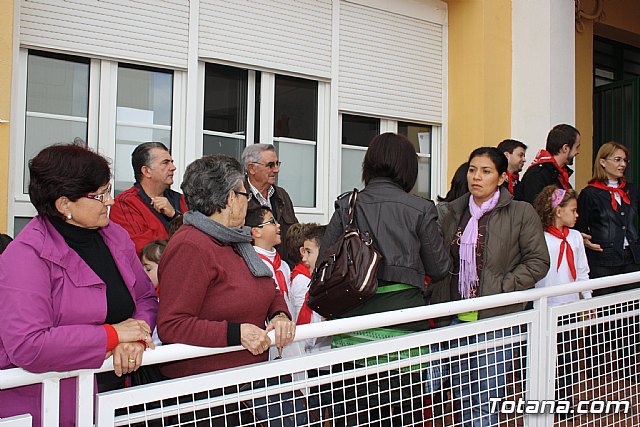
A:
(252, 153)
(208, 181)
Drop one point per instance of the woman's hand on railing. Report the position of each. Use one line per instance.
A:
(284, 328)
(132, 330)
(254, 339)
(127, 357)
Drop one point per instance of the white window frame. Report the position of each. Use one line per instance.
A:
(101, 121)
(391, 125)
(266, 111)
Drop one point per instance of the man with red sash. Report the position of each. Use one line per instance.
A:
(551, 165)
(515, 152)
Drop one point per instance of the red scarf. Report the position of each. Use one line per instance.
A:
(280, 279)
(562, 235)
(613, 190)
(304, 317)
(511, 178)
(545, 157)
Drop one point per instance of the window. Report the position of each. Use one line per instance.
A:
(357, 132)
(246, 106)
(225, 110)
(57, 105)
(614, 61)
(295, 136)
(420, 137)
(143, 113)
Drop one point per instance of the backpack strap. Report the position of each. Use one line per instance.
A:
(352, 208)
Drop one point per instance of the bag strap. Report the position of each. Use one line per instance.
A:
(352, 207)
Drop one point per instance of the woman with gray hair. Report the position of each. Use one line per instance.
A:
(216, 291)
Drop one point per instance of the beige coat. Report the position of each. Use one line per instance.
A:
(515, 254)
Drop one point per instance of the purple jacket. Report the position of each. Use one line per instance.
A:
(52, 307)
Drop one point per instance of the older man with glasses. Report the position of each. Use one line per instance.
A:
(261, 166)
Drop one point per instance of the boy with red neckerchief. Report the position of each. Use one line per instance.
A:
(551, 165)
(265, 231)
(300, 281)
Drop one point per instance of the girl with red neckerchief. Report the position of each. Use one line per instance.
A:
(557, 209)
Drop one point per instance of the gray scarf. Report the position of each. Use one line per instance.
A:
(238, 237)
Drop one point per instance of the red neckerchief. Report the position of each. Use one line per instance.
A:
(545, 157)
(613, 190)
(304, 317)
(562, 235)
(511, 178)
(277, 262)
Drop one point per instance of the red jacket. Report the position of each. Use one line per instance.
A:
(140, 219)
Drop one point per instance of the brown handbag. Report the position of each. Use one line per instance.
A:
(348, 276)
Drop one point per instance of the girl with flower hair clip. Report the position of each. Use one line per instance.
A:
(557, 209)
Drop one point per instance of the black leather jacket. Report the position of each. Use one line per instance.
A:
(535, 179)
(404, 230)
(607, 227)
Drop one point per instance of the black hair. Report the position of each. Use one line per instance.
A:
(508, 145)
(391, 156)
(559, 136)
(459, 185)
(315, 233)
(255, 216)
(141, 157)
(497, 157)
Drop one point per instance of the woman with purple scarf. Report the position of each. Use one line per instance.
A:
(496, 245)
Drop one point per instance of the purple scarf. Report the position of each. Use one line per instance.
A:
(468, 276)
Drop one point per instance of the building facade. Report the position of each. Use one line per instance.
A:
(317, 78)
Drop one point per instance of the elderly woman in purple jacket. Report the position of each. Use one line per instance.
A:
(72, 290)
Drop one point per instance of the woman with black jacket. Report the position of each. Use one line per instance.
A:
(608, 209)
(404, 229)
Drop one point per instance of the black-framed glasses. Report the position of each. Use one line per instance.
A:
(270, 165)
(102, 197)
(248, 195)
(272, 221)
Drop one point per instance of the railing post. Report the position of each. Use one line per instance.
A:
(539, 361)
(84, 401)
(51, 402)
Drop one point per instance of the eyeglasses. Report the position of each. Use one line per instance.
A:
(102, 197)
(245, 194)
(619, 159)
(270, 165)
(272, 221)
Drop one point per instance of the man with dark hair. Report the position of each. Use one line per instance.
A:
(146, 209)
(515, 152)
(551, 166)
(261, 165)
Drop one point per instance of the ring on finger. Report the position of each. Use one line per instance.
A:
(132, 360)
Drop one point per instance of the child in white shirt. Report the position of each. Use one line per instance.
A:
(265, 231)
(300, 281)
(557, 209)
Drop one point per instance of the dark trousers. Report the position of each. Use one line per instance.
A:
(384, 399)
(568, 366)
(618, 340)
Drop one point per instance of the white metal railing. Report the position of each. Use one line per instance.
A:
(453, 350)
